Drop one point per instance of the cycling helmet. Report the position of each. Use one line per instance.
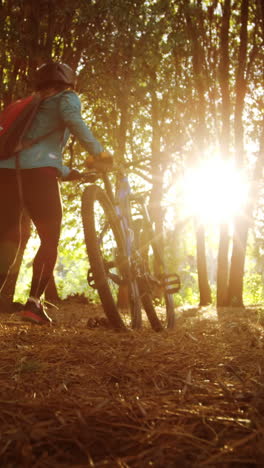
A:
(54, 72)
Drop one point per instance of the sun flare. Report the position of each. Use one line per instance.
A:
(215, 191)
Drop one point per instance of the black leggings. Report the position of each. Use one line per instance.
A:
(42, 200)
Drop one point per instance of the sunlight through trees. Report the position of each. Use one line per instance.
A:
(161, 82)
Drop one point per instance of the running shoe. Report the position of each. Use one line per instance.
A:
(35, 313)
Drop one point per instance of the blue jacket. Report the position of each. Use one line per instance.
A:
(61, 113)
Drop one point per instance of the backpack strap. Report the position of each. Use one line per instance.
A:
(25, 144)
(28, 143)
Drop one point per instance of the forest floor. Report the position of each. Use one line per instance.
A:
(74, 396)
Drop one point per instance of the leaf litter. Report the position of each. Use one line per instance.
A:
(74, 396)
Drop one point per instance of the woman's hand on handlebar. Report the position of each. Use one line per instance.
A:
(74, 174)
(103, 162)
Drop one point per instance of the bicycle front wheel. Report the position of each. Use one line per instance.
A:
(110, 271)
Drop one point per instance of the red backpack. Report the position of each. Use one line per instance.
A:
(15, 121)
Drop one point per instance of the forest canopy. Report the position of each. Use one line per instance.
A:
(177, 87)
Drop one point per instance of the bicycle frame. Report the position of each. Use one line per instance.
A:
(137, 275)
(121, 203)
(170, 282)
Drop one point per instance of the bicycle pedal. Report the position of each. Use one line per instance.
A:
(90, 279)
(172, 283)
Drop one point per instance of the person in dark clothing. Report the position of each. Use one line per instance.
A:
(35, 187)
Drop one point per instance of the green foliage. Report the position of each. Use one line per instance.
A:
(254, 288)
(72, 265)
(149, 75)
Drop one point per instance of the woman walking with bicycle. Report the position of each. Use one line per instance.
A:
(35, 187)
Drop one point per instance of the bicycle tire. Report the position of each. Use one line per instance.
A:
(108, 260)
(149, 307)
(154, 304)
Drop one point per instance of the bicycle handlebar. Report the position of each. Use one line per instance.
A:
(100, 166)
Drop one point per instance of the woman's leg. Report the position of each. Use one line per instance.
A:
(9, 287)
(43, 202)
(10, 212)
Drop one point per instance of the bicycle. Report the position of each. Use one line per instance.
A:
(114, 224)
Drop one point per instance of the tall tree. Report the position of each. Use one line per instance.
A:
(195, 26)
(241, 225)
(224, 78)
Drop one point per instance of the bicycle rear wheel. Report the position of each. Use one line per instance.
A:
(110, 271)
(157, 286)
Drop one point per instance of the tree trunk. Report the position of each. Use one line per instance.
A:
(201, 131)
(205, 291)
(124, 116)
(235, 290)
(157, 176)
(222, 266)
(241, 86)
(235, 287)
(224, 79)
(222, 260)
